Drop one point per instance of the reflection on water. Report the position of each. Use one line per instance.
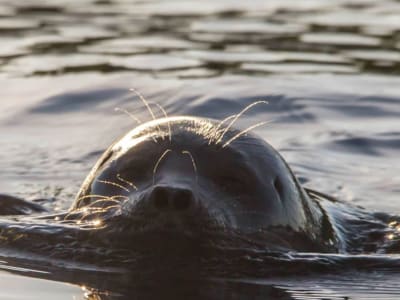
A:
(149, 36)
(327, 68)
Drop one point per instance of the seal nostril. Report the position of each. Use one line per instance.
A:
(160, 198)
(278, 187)
(161, 203)
(183, 200)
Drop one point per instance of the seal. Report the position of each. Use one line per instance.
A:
(10, 205)
(175, 189)
(188, 174)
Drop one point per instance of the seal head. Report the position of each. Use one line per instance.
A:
(187, 174)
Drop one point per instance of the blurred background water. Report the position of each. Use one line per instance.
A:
(329, 70)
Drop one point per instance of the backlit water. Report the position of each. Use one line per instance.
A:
(329, 70)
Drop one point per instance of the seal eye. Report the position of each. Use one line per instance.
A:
(231, 184)
(278, 187)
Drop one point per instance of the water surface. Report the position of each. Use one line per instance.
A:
(329, 71)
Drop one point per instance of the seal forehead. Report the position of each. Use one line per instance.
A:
(170, 128)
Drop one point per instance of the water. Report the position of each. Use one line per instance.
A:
(329, 71)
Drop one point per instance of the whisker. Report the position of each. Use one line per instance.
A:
(166, 116)
(67, 215)
(96, 213)
(114, 184)
(244, 132)
(145, 102)
(119, 109)
(215, 130)
(154, 139)
(126, 181)
(158, 162)
(238, 116)
(123, 197)
(193, 162)
(223, 121)
(91, 196)
(74, 212)
(147, 105)
(91, 205)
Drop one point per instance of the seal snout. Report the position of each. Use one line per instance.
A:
(166, 199)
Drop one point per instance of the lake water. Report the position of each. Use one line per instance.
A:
(328, 69)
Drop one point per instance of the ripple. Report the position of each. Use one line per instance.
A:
(298, 68)
(53, 63)
(226, 56)
(313, 57)
(162, 42)
(30, 7)
(378, 31)
(33, 288)
(339, 39)
(211, 32)
(378, 145)
(355, 18)
(143, 43)
(50, 41)
(73, 102)
(176, 8)
(232, 57)
(373, 55)
(189, 73)
(246, 26)
(18, 23)
(9, 47)
(6, 11)
(85, 32)
(108, 47)
(155, 62)
(91, 8)
(179, 8)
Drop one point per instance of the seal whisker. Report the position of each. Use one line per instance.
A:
(114, 184)
(237, 117)
(158, 162)
(107, 199)
(102, 209)
(130, 183)
(216, 129)
(91, 205)
(90, 196)
(166, 116)
(95, 212)
(119, 109)
(67, 215)
(193, 162)
(75, 212)
(244, 132)
(119, 196)
(87, 210)
(145, 102)
(223, 121)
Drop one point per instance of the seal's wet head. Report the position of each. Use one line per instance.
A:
(188, 175)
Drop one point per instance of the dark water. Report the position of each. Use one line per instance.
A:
(329, 70)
